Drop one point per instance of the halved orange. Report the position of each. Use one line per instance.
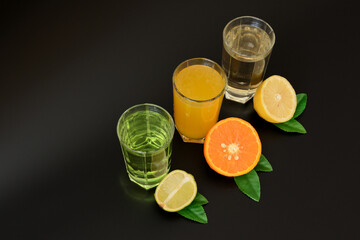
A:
(232, 147)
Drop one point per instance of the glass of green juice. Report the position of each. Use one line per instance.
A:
(145, 133)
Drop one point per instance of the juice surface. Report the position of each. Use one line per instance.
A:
(197, 82)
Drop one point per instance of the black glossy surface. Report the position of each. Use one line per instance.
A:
(68, 71)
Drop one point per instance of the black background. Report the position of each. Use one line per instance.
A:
(68, 71)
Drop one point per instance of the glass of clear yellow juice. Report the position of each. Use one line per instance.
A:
(199, 85)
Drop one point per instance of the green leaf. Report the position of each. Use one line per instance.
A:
(199, 200)
(301, 104)
(249, 184)
(195, 213)
(263, 165)
(291, 126)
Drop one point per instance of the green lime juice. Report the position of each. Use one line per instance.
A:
(146, 142)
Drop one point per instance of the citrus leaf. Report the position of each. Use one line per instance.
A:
(195, 213)
(249, 184)
(263, 165)
(291, 126)
(199, 200)
(301, 104)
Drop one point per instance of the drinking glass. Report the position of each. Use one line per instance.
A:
(247, 45)
(198, 90)
(145, 133)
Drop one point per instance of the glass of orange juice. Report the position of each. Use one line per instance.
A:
(198, 88)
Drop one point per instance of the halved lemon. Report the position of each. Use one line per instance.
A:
(275, 100)
(176, 191)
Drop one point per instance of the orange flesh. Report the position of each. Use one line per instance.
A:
(232, 147)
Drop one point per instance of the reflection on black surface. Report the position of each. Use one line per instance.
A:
(234, 109)
(134, 191)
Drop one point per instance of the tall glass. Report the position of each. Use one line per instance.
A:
(198, 89)
(247, 45)
(145, 132)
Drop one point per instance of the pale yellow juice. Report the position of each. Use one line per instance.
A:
(197, 100)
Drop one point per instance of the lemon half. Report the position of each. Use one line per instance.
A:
(176, 191)
(275, 100)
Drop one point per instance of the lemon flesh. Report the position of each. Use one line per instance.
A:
(176, 191)
(275, 100)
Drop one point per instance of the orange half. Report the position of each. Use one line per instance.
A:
(232, 147)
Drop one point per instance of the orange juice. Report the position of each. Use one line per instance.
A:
(198, 94)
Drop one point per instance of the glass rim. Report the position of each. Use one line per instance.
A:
(222, 74)
(171, 121)
(259, 20)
